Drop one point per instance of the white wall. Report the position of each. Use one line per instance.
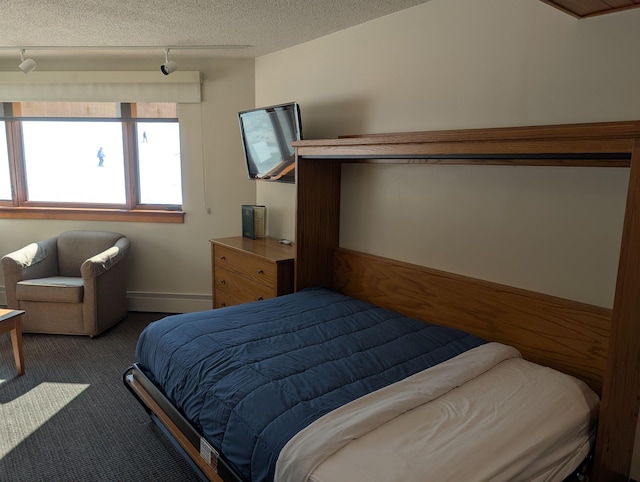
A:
(170, 268)
(453, 64)
(450, 64)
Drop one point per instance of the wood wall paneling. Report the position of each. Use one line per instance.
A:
(317, 221)
(592, 8)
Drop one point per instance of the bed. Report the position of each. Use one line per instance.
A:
(307, 385)
(593, 346)
(290, 336)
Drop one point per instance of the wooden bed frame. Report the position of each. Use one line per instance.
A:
(595, 344)
(566, 335)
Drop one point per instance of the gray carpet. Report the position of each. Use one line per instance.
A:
(70, 418)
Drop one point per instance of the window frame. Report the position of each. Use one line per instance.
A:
(19, 207)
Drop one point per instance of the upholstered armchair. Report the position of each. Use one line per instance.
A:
(71, 284)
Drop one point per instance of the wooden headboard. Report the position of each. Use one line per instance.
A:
(566, 335)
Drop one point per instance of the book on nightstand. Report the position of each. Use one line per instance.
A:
(254, 221)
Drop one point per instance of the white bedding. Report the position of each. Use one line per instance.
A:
(484, 415)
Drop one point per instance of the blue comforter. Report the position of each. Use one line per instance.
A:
(249, 377)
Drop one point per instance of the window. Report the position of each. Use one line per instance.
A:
(5, 178)
(88, 160)
(159, 163)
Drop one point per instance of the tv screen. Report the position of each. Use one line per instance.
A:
(267, 134)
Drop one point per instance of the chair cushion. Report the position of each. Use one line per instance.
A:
(60, 289)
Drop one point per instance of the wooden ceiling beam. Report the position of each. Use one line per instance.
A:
(592, 8)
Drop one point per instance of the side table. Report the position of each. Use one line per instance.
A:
(10, 321)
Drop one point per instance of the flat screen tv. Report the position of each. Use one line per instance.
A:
(267, 133)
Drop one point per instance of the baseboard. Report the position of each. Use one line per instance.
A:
(155, 302)
(167, 302)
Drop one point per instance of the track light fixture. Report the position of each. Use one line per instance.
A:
(169, 66)
(26, 65)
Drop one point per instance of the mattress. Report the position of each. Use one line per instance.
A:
(322, 387)
(485, 415)
(250, 377)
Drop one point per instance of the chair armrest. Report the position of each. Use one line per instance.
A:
(37, 260)
(101, 262)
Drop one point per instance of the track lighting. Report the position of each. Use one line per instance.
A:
(26, 65)
(169, 66)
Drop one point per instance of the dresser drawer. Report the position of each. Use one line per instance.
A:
(226, 298)
(252, 267)
(229, 283)
(245, 270)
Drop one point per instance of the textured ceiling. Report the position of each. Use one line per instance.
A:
(262, 25)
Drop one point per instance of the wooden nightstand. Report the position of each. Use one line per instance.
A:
(246, 270)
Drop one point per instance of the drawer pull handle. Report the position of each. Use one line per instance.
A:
(223, 305)
(222, 258)
(222, 282)
(260, 271)
(260, 298)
